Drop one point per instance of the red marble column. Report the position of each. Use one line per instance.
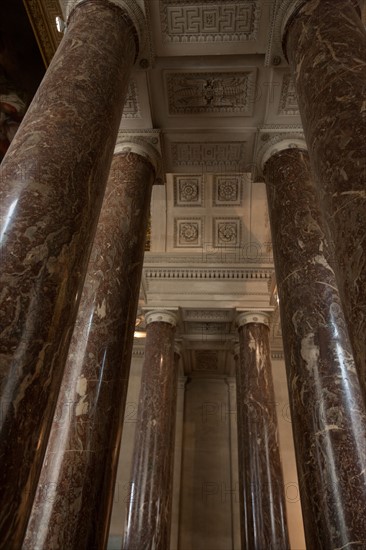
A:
(74, 497)
(327, 409)
(262, 498)
(52, 184)
(325, 43)
(149, 514)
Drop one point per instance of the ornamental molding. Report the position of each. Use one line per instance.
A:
(131, 108)
(42, 17)
(209, 21)
(288, 104)
(182, 260)
(249, 317)
(138, 352)
(277, 355)
(283, 10)
(211, 93)
(206, 315)
(213, 156)
(146, 144)
(207, 273)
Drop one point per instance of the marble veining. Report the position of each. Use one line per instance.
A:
(80, 464)
(149, 510)
(52, 184)
(327, 408)
(262, 498)
(326, 47)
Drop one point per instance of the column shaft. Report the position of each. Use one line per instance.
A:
(327, 409)
(326, 48)
(52, 184)
(149, 514)
(73, 501)
(178, 456)
(263, 514)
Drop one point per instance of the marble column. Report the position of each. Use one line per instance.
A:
(327, 409)
(178, 455)
(263, 517)
(149, 515)
(52, 184)
(74, 497)
(325, 43)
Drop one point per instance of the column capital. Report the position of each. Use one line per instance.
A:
(277, 144)
(129, 143)
(161, 316)
(131, 8)
(287, 11)
(247, 317)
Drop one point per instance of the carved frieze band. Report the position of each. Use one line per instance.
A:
(209, 21)
(213, 156)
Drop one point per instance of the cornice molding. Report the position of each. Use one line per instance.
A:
(42, 18)
(231, 274)
(138, 352)
(228, 259)
(277, 355)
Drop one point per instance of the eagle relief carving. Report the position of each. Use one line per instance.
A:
(208, 93)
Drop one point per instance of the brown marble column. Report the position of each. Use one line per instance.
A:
(325, 43)
(149, 513)
(262, 498)
(327, 409)
(52, 184)
(74, 497)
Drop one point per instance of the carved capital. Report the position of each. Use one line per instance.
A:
(161, 316)
(278, 143)
(286, 12)
(131, 8)
(248, 317)
(129, 143)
